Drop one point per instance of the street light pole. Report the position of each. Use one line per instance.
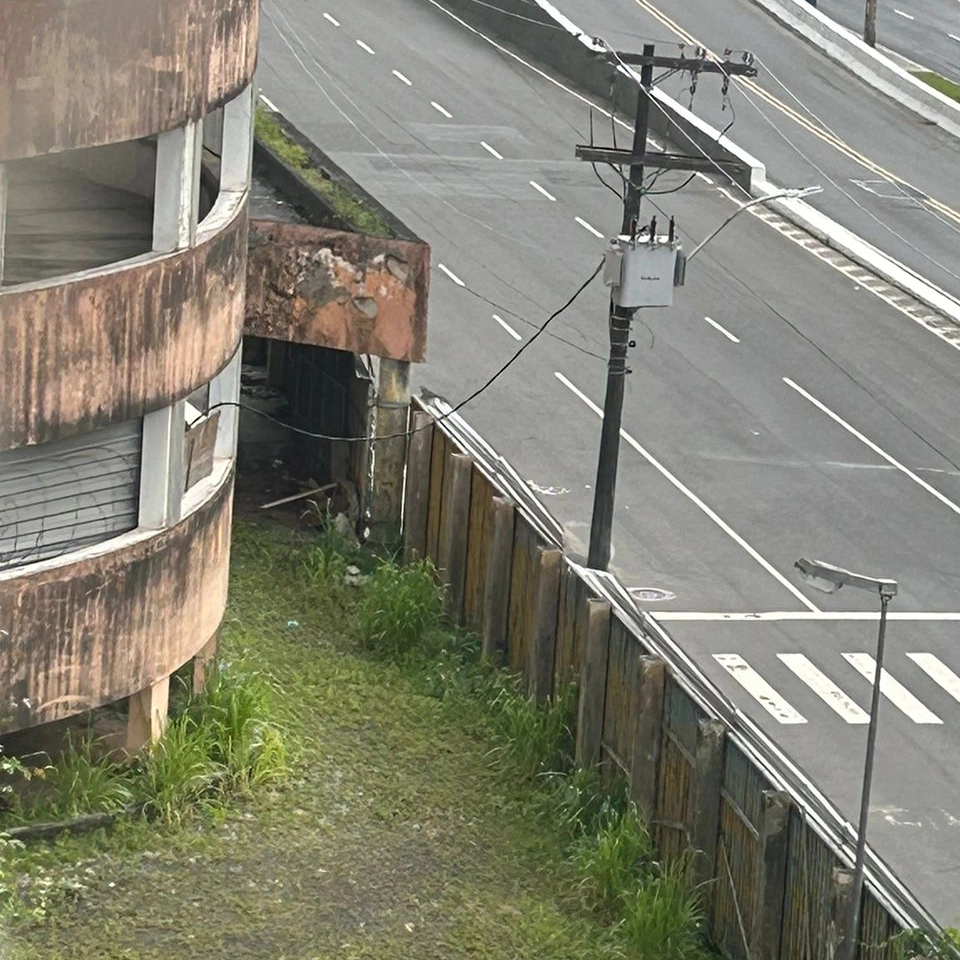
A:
(870, 24)
(829, 579)
(850, 944)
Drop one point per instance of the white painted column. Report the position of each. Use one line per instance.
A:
(3, 216)
(237, 153)
(225, 389)
(177, 195)
(161, 467)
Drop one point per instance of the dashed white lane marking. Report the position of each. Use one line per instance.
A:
(892, 689)
(693, 498)
(451, 275)
(824, 687)
(332, 20)
(758, 688)
(401, 77)
(938, 671)
(906, 471)
(713, 323)
(906, 16)
(269, 103)
(586, 226)
(506, 326)
(536, 186)
(443, 110)
(491, 150)
(366, 46)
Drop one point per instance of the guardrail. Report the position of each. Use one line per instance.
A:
(705, 776)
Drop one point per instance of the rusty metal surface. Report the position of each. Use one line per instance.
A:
(95, 630)
(110, 346)
(335, 289)
(83, 74)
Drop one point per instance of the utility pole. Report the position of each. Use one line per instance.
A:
(621, 312)
(870, 24)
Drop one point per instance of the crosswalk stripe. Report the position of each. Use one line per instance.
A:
(824, 687)
(892, 689)
(758, 688)
(938, 671)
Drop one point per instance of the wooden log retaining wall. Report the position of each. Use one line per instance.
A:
(767, 875)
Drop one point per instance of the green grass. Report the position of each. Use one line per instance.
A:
(361, 217)
(394, 834)
(946, 87)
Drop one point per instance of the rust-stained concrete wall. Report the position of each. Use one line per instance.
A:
(81, 74)
(95, 630)
(335, 289)
(103, 348)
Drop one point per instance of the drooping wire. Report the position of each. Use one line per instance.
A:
(407, 433)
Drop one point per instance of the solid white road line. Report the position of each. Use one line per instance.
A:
(713, 323)
(536, 186)
(938, 671)
(953, 36)
(401, 77)
(690, 495)
(495, 153)
(367, 47)
(705, 178)
(443, 110)
(451, 275)
(824, 687)
(269, 103)
(892, 689)
(758, 688)
(906, 16)
(506, 326)
(773, 616)
(335, 22)
(946, 501)
(586, 226)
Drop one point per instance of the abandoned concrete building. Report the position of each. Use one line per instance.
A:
(122, 262)
(143, 279)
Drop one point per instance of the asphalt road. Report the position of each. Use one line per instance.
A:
(886, 174)
(811, 414)
(925, 31)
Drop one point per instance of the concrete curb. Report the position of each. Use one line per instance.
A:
(871, 66)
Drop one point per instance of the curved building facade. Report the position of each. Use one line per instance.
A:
(125, 146)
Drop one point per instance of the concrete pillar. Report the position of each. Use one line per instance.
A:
(225, 389)
(147, 715)
(389, 458)
(648, 736)
(237, 141)
(3, 216)
(177, 194)
(161, 467)
(706, 787)
(202, 663)
(772, 867)
(841, 915)
(593, 681)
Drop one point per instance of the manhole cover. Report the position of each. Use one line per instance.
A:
(650, 594)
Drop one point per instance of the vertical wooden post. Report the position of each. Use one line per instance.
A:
(417, 496)
(543, 629)
(393, 411)
(593, 681)
(707, 783)
(496, 585)
(147, 716)
(841, 912)
(454, 520)
(772, 875)
(647, 734)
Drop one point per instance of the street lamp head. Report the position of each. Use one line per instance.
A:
(830, 578)
(795, 193)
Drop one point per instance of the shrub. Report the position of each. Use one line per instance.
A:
(80, 782)
(399, 605)
(662, 918)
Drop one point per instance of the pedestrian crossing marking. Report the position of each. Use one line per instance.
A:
(757, 687)
(938, 671)
(824, 687)
(892, 689)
